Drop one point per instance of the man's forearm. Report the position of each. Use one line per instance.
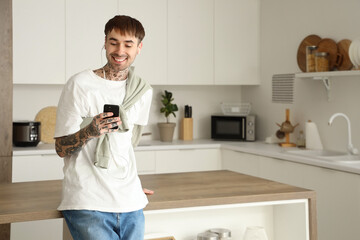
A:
(72, 144)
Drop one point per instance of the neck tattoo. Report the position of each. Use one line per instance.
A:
(114, 76)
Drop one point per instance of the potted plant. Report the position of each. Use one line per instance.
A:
(167, 128)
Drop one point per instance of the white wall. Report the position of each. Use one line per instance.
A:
(284, 24)
(205, 100)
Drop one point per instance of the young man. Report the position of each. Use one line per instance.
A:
(102, 194)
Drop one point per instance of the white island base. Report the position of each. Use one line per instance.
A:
(282, 220)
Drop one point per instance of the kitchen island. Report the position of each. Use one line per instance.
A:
(198, 200)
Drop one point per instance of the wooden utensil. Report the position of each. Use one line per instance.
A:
(328, 45)
(343, 49)
(289, 129)
(311, 40)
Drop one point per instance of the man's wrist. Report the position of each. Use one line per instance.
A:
(89, 132)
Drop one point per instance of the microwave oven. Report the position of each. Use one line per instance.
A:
(239, 128)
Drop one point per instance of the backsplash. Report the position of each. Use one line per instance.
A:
(205, 100)
(310, 99)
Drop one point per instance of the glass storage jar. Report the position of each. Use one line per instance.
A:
(207, 236)
(224, 234)
(310, 58)
(322, 62)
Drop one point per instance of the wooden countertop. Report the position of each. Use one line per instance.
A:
(31, 201)
(177, 190)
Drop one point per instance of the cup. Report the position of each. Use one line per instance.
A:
(255, 233)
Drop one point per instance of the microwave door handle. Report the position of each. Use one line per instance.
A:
(243, 128)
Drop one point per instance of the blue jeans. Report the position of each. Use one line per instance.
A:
(95, 225)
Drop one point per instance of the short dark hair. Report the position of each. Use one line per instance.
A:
(126, 25)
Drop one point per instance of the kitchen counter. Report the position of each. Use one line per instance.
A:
(31, 201)
(257, 148)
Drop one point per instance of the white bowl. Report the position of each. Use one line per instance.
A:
(356, 55)
(354, 52)
(352, 44)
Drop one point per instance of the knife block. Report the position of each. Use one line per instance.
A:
(186, 130)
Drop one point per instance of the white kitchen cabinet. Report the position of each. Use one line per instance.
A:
(37, 168)
(145, 162)
(85, 37)
(337, 193)
(282, 171)
(237, 42)
(38, 42)
(190, 42)
(264, 167)
(338, 198)
(151, 63)
(37, 230)
(240, 162)
(187, 160)
(194, 42)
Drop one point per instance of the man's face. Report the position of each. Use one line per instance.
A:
(121, 50)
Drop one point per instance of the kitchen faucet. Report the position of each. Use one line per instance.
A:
(351, 148)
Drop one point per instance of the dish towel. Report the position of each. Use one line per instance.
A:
(135, 89)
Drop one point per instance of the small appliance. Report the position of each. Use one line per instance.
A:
(26, 133)
(239, 128)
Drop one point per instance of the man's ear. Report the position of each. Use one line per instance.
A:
(139, 48)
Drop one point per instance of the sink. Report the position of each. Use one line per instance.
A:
(316, 153)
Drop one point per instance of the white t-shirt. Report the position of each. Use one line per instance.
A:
(85, 186)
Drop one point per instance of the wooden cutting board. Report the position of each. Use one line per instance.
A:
(343, 49)
(311, 40)
(47, 117)
(328, 45)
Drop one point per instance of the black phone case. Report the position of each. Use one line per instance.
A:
(112, 108)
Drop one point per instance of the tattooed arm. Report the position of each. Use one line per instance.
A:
(72, 144)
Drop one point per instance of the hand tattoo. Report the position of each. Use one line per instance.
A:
(72, 144)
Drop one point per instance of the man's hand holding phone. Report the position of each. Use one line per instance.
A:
(113, 119)
(105, 122)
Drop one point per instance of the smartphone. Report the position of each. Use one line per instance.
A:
(114, 109)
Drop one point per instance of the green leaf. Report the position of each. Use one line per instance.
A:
(169, 108)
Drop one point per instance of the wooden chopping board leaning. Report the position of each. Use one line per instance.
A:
(47, 117)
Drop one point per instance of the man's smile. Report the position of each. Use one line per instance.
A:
(119, 59)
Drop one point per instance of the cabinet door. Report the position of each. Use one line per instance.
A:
(240, 162)
(37, 168)
(237, 41)
(190, 42)
(338, 197)
(188, 160)
(145, 162)
(151, 63)
(85, 38)
(51, 229)
(38, 42)
(282, 171)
